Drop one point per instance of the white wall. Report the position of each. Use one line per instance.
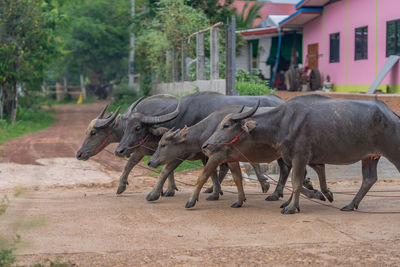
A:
(182, 88)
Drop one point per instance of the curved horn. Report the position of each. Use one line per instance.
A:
(162, 118)
(104, 122)
(242, 116)
(241, 109)
(100, 116)
(133, 106)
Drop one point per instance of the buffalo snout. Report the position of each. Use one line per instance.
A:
(152, 163)
(82, 155)
(121, 152)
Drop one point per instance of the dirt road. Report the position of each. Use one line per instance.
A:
(69, 211)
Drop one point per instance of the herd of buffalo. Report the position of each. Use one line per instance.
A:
(222, 131)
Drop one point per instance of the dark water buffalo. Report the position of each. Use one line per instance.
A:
(103, 131)
(315, 129)
(182, 143)
(193, 108)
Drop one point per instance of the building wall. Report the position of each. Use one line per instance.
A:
(264, 48)
(343, 17)
(242, 60)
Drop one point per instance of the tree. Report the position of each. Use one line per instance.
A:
(245, 20)
(27, 45)
(96, 42)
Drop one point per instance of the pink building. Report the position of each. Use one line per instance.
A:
(350, 40)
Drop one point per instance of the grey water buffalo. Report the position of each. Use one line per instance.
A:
(193, 108)
(103, 131)
(182, 143)
(315, 129)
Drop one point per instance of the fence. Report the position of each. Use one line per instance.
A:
(181, 85)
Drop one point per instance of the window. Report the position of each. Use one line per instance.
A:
(361, 43)
(393, 37)
(334, 42)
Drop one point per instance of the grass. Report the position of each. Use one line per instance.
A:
(186, 165)
(29, 121)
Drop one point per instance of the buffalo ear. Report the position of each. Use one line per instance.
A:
(159, 131)
(248, 126)
(180, 136)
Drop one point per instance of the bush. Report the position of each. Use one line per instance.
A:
(244, 76)
(248, 88)
(124, 95)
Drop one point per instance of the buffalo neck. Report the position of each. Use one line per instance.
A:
(268, 127)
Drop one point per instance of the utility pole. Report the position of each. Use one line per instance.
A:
(131, 81)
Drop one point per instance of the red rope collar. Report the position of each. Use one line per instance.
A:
(231, 142)
(101, 145)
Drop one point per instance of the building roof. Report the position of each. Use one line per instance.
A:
(267, 9)
(301, 17)
(311, 3)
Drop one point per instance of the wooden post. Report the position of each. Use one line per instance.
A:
(250, 59)
(175, 74)
(168, 57)
(183, 62)
(230, 48)
(65, 87)
(200, 56)
(214, 55)
(83, 89)
(58, 92)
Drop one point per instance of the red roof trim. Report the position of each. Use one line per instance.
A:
(259, 32)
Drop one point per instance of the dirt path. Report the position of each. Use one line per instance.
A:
(73, 213)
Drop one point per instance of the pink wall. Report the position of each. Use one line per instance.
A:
(361, 13)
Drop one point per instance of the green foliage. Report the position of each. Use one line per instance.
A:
(28, 43)
(96, 42)
(124, 95)
(251, 83)
(245, 19)
(7, 257)
(30, 121)
(160, 28)
(244, 76)
(248, 88)
(215, 10)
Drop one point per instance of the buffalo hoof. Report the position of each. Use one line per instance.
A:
(168, 193)
(328, 195)
(290, 210)
(265, 187)
(213, 197)
(152, 196)
(209, 190)
(190, 204)
(236, 205)
(274, 197)
(121, 189)
(284, 205)
(319, 195)
(349, 207)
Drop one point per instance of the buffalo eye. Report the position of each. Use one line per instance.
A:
(138, 128)
(163, 145)
(92, 132)
(226, 126)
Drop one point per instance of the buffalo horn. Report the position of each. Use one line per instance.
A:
(133, 106)
(104, 122)
(162, 118)
(245, 115)
(100, 116)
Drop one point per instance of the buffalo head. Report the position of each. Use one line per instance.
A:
(139, 127)
(230, 129)
(99, 134)
(171, 146)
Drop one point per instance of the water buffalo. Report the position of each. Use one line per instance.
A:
(104, 131)
(182, 143)
(315, 129)
(193, 108)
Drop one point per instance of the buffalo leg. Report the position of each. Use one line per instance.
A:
(299, 170)
(238, 178)
(201, 180)
(216, 187)
(261, 177)
(320, 170)
(223, 170)
(370, 176)
(170, 192)
(308, 193)
(166, 171)
(283, 175)
(134, 159)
